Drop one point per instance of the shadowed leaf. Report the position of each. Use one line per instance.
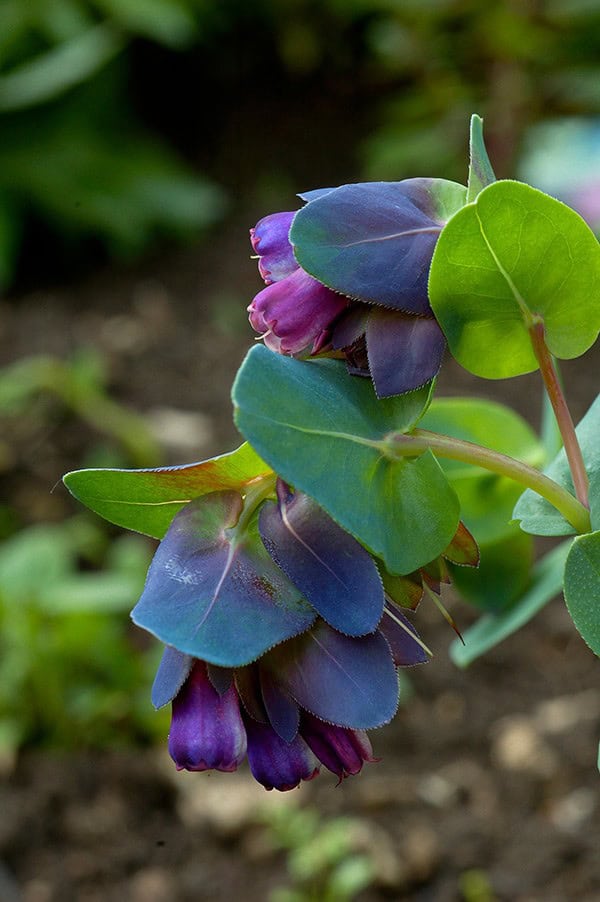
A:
(213, 591)
(331, 569)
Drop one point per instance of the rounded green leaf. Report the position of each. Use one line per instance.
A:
(513, 255)
(323, 432)
(582, 587)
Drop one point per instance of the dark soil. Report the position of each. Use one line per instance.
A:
(487, 788)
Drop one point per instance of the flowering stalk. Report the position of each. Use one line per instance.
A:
(400, 445)
(561, 412)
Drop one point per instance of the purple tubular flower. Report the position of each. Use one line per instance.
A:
(269, 238)
(294, 311)
(275, 763)
(342, 750)
(206, 728)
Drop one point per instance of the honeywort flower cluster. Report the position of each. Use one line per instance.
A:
(347, 275)
(283, 644)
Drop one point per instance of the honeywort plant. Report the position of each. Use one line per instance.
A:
(289, 570)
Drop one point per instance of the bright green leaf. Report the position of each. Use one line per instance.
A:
(481, 173)
(547, 579)
(582, 587)
(514, 254)
(321, 430)
(147, 500)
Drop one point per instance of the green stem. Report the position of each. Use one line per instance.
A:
(256, 492)
(561, 412)
(457, 449)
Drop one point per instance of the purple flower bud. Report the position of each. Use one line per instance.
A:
(275, 763)
(295, 312)
(340, 749)
(206, 728)
(269, 238)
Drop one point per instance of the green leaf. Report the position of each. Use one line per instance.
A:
(582, 587)
(538, 516)
(513, 255)
(481, 173)
(147, 500)
(547, 579)
(323, 432)
(486, 500)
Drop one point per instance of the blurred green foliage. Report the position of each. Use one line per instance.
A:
(327, 859)
(73, 670)
(70, 674)
(75, 155)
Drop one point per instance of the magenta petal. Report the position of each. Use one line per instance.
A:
(295, 311)
(275, 763)
(269, 238)
(404, 351)
(207, 731)
(341, 750)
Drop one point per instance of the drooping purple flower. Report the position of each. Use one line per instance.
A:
(305, 703)
(295, 313)
(207, 732)
(275, 763)
(342, 750)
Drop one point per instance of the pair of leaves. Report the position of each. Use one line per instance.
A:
(512, 255)
(322, 431)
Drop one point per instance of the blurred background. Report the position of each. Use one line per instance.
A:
(139, 140)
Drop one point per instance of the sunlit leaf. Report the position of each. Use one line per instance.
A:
(147, 500)
(512, 255)
(481, 173)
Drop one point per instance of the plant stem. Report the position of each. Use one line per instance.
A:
(561, 412)
(457, 449)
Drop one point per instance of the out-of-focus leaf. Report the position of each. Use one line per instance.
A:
(58, 69)
(170, 22)
(547, 580)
